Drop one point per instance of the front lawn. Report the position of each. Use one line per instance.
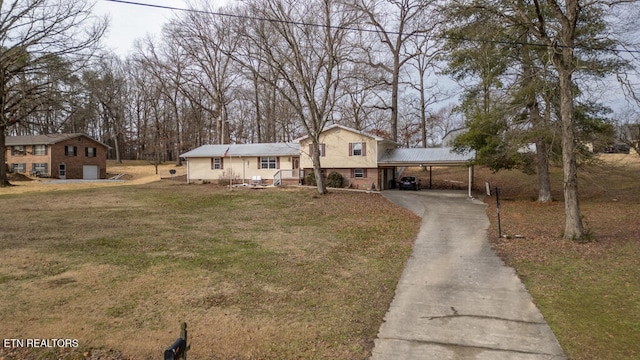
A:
(256, 274)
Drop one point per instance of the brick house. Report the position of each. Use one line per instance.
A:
(63, 156)
(365, 161)
(353, 154)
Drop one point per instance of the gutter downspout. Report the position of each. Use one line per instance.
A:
(188, 171)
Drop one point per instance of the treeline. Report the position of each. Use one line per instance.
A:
(274, 70)
(227, 76)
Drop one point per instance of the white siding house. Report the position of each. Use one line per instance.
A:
(242, 163)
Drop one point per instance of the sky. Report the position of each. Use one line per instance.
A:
(129, 22)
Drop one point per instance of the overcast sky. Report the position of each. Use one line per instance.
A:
(129, 22)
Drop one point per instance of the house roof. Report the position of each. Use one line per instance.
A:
(268, 149)
(45, 139)
(424, 156)
(337, 126)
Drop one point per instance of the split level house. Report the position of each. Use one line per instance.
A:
(365, 161)
(62, 156)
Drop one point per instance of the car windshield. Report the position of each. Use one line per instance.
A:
(408, 179)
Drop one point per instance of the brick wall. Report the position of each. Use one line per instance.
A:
(29, 160)
(74, 164)
(352, 182)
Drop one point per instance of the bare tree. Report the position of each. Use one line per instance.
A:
(628, 128)
(203, 36)
(106, 84)
(167, 64)
(307, 57)
(32, 32)
(395, 23)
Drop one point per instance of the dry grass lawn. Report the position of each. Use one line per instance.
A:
(256, 274)
(284, 274)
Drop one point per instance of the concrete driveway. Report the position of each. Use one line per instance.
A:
(456, 299)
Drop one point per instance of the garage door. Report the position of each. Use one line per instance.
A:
(90, 172)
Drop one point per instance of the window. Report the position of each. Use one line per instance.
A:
(70, 150)
(90, 152)
(19, 168)
(39, 150)
(357, 149)
(17, 150)
(359, 173)
(41, 168)
(321, 149)
(269, 162)
(216, 163)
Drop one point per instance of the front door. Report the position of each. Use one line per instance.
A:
(62, 171)
(295, 166)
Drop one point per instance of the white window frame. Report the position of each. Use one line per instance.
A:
(39, 149)
(42, 168)
(358, 173)
(18, 150)
(357, 149)
(216, 163)
(271, 162)
(19, 167)
(91, 152)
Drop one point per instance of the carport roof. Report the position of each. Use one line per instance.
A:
(425, 156)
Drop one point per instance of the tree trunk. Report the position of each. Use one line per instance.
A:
(116, 145)
(3, 157)
(539, 126)
(423, 111)
(394, 97)
(544, 180)
(573, 229)
(317, 168)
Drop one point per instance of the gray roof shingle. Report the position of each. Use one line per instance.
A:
(44, 139)
(425, 156)
(269, 149)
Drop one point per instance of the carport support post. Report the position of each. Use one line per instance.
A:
(470, 179)
(498, 210)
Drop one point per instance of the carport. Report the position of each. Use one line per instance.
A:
(428, 157)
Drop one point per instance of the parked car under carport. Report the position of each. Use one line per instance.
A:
(408, 183)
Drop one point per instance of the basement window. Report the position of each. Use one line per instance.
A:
(19, 168)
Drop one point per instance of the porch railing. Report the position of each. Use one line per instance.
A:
(287, 174)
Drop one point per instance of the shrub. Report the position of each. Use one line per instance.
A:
(335, 180)
(310, 179)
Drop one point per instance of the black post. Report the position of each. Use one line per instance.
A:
(498, 210)
(183, 336)
(178, 350)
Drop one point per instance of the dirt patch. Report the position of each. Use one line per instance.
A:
(18, 177)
